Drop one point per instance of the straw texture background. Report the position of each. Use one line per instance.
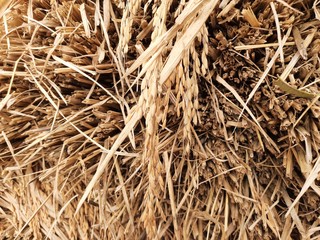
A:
(157, 119)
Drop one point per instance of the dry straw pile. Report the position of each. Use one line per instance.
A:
(157, 119)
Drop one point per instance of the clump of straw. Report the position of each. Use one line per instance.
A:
(159, 119)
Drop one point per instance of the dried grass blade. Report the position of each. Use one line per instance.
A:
(11, 149)
(296, 57)
(315, 9)
(4, 101)
(284, 86)
(292, 8)
(45, 93)
(45, 135)
(77, 69)
(266, 71)
(191, 10)
(3, 6)
(310, 179)
(167, 162)
(106, 13)
(185, 41)
(103, 164)
(32, 216)
(249, 15)
(227, 8)
(236, 95)
(124, 191)
(299, 43)
(276, 19)
(85, 21)
(294, 214)
(265, 45)
(59, 215)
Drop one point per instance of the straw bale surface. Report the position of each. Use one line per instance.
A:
(157, 119)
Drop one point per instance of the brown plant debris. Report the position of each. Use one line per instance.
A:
(159, 119)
